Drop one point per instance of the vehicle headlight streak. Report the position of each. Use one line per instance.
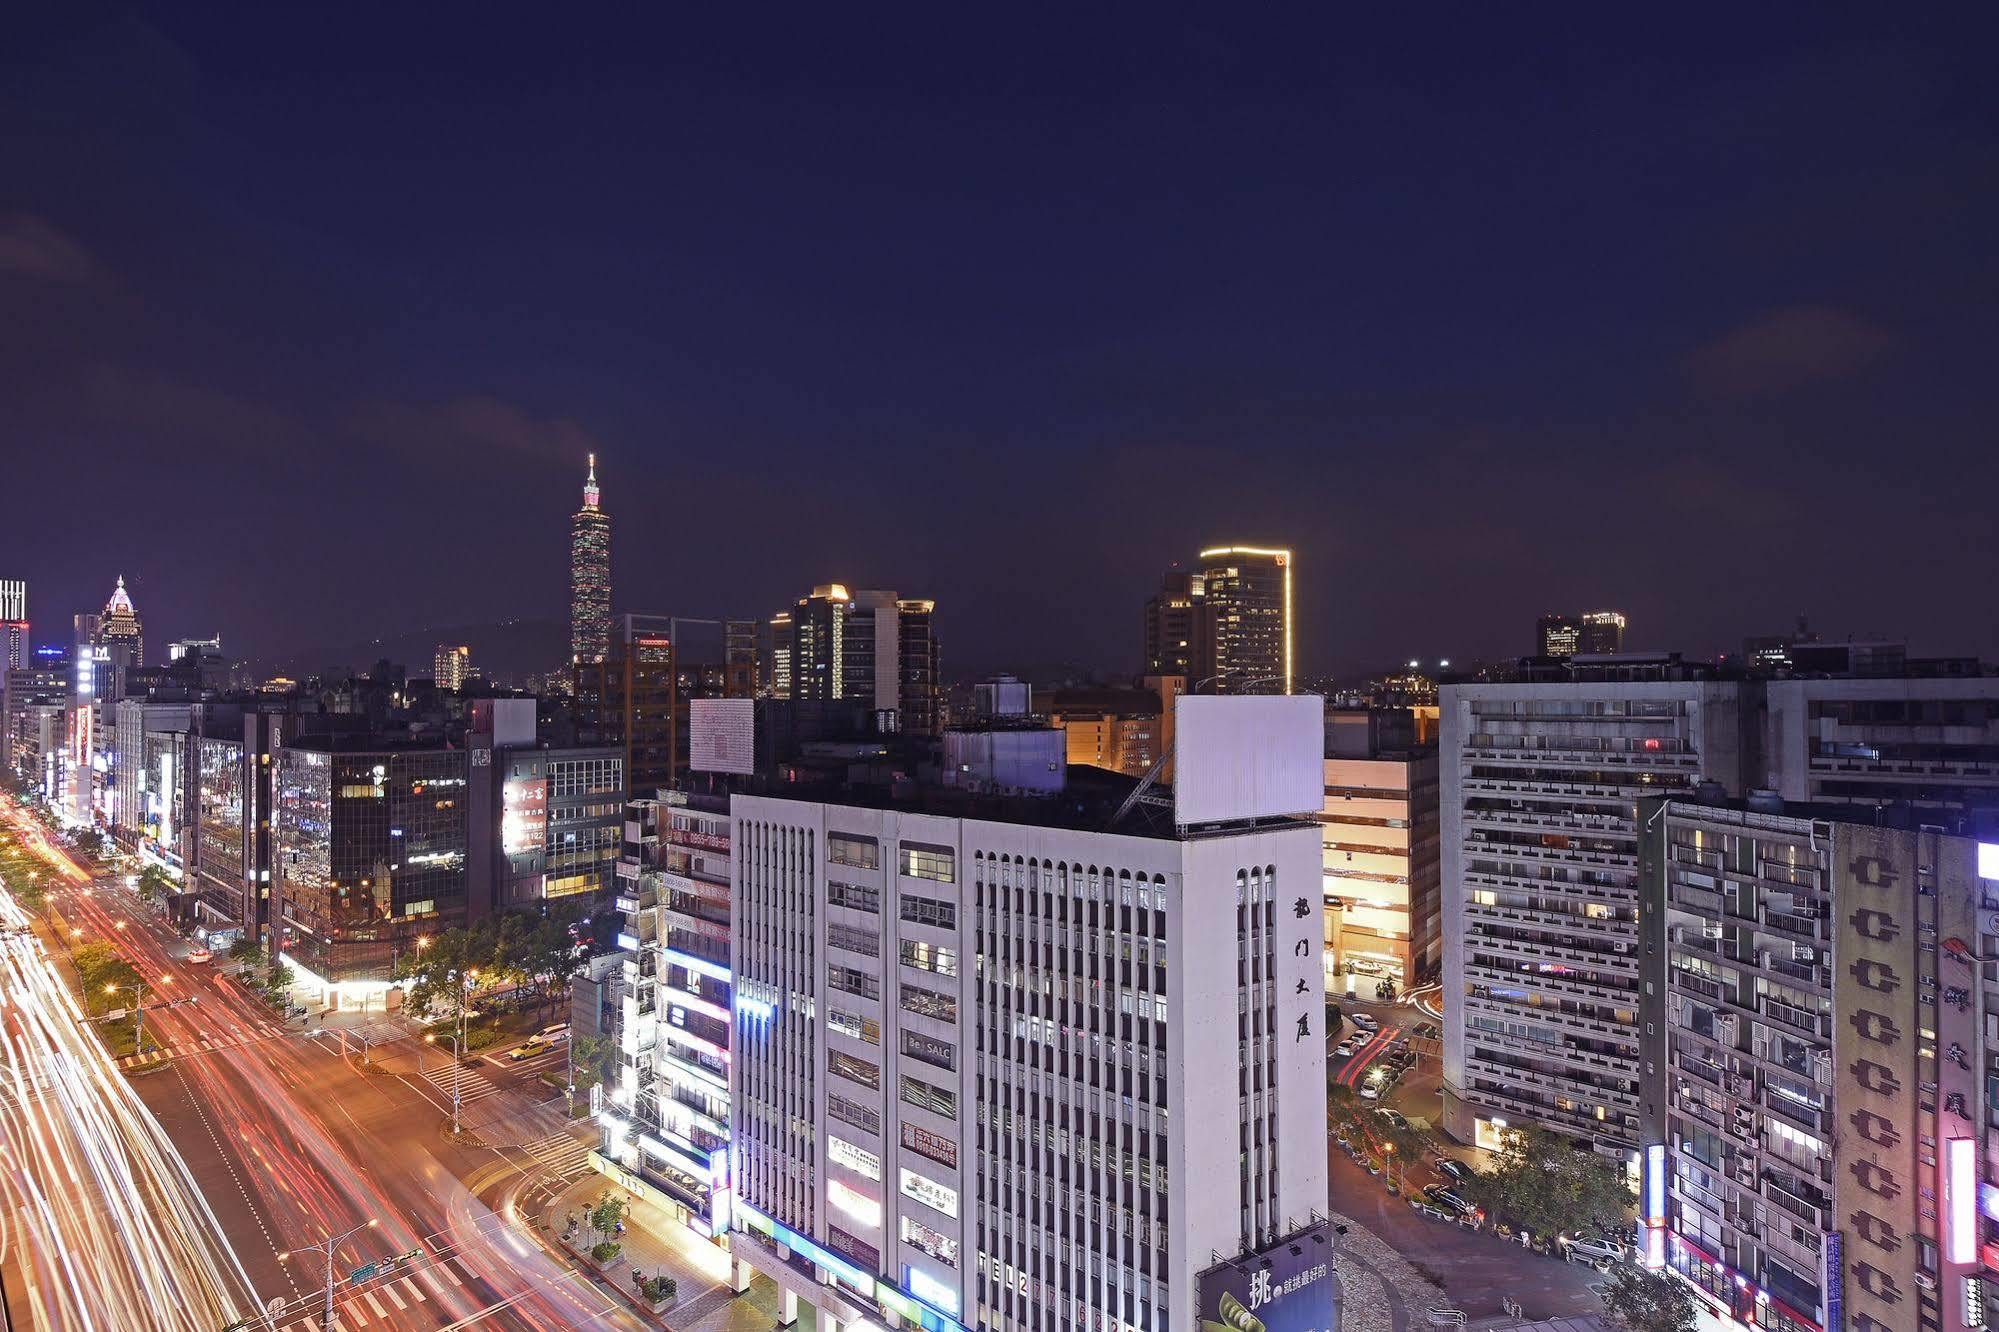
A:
(101, 1212)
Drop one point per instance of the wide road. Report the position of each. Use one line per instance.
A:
(101, 1224)
(294, 1143)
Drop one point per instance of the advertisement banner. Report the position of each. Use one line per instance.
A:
(722, 735)
(1287, 1287)
(524, 825)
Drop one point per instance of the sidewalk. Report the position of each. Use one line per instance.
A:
(655, 1244)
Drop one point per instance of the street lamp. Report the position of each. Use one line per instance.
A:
(327, 1246)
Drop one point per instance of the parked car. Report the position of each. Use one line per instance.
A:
(1364, 1022)
(1456, 1169)
(1449, 1201)
(1427, 1030)
(1368, 1093)
(1394, 1117)
(1587, 1259)
(1607, 1249)
(1343, 1050)
(558, 1032)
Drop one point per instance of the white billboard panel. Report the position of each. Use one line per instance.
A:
(722, 735)
(1248, 756)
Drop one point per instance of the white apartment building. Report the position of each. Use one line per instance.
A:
(1933, 742)
(666, 1119)
(981, 1073)
(1540, 887)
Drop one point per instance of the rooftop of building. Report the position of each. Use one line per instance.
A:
(1901, 815)
(1088, 802)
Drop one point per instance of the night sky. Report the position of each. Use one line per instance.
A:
(308, 316)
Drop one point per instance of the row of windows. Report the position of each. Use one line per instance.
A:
(865, 942)
(937, 1100)
(929, 957)
(855, 896)
(930, 911)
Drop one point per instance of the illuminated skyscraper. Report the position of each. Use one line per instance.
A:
(451, 666)
(1557, 636)
(14, 645)
(1248, 593)
(120, 626)
(589, 577)
(1603, 631)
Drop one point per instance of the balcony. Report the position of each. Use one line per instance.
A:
(1812, 1213)
(1800, 926)
(1797, 1019)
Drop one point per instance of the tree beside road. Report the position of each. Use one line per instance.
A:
(1641, 1301)
(1544, 1184)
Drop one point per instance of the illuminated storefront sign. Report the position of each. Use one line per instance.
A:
(524, 825)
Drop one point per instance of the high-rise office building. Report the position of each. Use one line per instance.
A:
(451, 666)
(1602, 632)
(1540, 784)
(1248, 594)
(869, 646)
(545, 821)
(630, 697)
(1379, 853)
(369, 853)
(741, 658)
(15, 644)
(778, 646)
(1558, 636)
(120, 627)
(1179, 639)
(589, 576)
(1540, 889)
(1817, 1109)
(1012, 1116)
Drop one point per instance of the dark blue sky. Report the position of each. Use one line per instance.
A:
(307, 318)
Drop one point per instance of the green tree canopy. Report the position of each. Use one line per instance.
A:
(1641, 1301)
(1543, 1183)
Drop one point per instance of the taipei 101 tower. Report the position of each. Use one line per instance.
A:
(589, 577)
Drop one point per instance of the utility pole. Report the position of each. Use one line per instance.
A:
(328, 1246)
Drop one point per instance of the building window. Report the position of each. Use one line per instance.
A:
(854, 1069)
(930, 911)
(853, 849)
(852, 895)
(852, 1024)
(922, 1095)
(860, 1116)
(939, 1246)
(929, 1003)
(923, 860)
(865, 942)
(848, 980)
(929, 957)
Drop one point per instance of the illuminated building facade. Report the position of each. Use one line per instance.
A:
(370, 850)
(15, 644)
(1249, 599)
(120, 626)
(869, 646)
(1540, 786)
(1380, 856)
(546, 822)
(1122, 730)
(667, 1129)
(1817, 1116)
(974, 1080)
(1558, 636)
(630, 698)
(590, 577)
(1602, 632)
(451, 666)
(133, 780)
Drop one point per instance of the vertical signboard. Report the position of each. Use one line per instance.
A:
(524, 825)
(1287, 1287)
(1878, 1184)
(1950, 1002)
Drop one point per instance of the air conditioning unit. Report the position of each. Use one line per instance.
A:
(1926, 1281)
(1822, 1068)
(1620, 948)
(1803, 953)
(1711, 931)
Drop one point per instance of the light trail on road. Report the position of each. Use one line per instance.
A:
(99, 1212)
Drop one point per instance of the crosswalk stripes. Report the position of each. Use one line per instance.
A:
(559, 1154)
(236, 1036)
(469, 1083)
(376, 1306)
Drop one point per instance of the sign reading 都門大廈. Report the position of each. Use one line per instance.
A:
(1287, 1287)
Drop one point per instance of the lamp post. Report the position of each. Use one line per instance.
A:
(327, 1246)
(138, 1012)
(458, 1051)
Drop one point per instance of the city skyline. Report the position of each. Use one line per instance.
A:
(1685, 319)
